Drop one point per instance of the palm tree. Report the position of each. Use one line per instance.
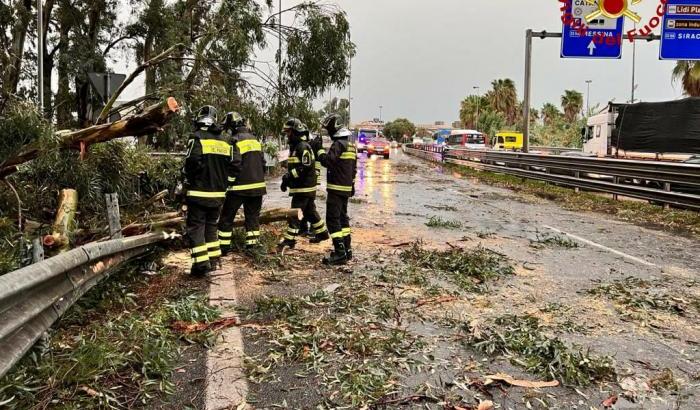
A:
(571, 102)
(468, 109)
(503, 98)
(688, 73)
(550, 113)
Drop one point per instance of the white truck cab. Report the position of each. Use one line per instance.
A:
(597, 135)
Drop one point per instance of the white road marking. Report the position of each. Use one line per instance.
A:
(605, 248)
(227, 386)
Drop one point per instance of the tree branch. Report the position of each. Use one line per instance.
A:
(154, 61)
(115, 42)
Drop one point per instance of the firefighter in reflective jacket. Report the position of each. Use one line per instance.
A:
(246, 184)
(305, 228)
(301, 179)
(341, 163)
(208, 163)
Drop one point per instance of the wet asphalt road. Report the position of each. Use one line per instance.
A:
(397, 197)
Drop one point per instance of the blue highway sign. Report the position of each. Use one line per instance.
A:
(602, 37)
(680, 33)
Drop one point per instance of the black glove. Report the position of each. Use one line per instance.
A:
(285, 183)
(317, 144)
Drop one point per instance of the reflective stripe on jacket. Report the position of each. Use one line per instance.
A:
(208, 163)
(301, 169)
(248, 176)
(341, 162)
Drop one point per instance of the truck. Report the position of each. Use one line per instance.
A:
(663, 131)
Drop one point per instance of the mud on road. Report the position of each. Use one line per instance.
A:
(454, 281)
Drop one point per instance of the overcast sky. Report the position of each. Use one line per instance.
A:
(420, 58)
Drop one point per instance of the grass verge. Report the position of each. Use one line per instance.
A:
(640, 213)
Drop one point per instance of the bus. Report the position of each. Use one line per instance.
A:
(470, 139)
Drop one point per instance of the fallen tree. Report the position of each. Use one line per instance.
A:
(151, 120)
(65, 220)
(266, 217)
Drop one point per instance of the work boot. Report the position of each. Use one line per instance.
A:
(286, 243)
(320, 237)
(338, 256)
(348, 246)
(305, 228)
(216, 264)
(200, 270)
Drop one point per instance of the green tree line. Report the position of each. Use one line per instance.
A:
(211, 54)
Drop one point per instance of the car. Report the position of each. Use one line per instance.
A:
(379, 146)
(363, 136)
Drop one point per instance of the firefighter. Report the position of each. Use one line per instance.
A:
(305, 228)
(208, 163)
(301, 179)
(341, 163)
(246, 184)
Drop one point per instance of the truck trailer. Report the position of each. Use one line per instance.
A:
(667, 131)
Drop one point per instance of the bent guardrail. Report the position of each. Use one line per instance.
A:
(667, 183)
(34, 297)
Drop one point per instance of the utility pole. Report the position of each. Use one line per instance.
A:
(478, 105)
(350, 94)
(634, 65)
(40, 54)
(588, 98)
(279, 57)
(528, 84)
(380, 113)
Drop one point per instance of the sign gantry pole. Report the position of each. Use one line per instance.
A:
(529, 34)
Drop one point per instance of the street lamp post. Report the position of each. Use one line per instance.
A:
(40, 55)
(380, 113)
(478, 105)
(588, 98)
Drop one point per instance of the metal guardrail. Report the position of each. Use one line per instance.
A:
(662, 182)
(34, 297)
(553, 150)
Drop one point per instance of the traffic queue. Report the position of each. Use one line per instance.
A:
(224, 170)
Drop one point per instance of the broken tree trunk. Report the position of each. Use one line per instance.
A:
(272, 215)
(155, 198)
(266, 217)
(65, 220)
(163, 217)
(137, 229)
(152, 119)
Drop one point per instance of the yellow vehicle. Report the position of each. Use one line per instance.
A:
(508, 141)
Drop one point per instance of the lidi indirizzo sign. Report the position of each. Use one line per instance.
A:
(612, 9)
